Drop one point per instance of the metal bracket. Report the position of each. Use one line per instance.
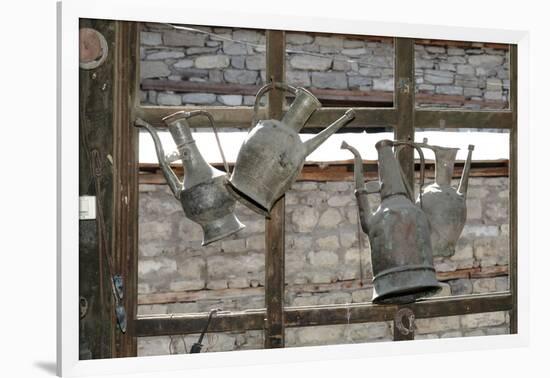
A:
(120, 311)
(398, 319)
(404, 86)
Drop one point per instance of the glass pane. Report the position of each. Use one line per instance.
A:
(200, 65)
(462, 75)
(176, 273)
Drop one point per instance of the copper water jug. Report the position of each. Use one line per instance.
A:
(398, 232)
(202, 192)
(445, 205)
(272, 156)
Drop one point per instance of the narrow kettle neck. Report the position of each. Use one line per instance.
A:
(301, 109)
(391, 182)
(444, 164)
(196, 169)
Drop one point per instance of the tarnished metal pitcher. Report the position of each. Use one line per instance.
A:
(202, 192)
(398, 231)
(444, 205)
(273, 155)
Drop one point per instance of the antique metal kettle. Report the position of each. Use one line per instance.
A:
(398, 231)
(272, 156)
(202, 192)
(444, 205)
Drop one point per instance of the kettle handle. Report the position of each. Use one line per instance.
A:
(400, 144)
(266, 88)
(193, 113)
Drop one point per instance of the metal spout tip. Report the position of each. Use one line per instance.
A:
(344, 145)
(471, 147)
(350, 114)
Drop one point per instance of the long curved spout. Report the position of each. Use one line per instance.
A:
(312, 144)
(360, 186)
(463, 186)
(171, 178)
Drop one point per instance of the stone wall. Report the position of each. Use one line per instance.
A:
(327, 262)
(313, 61)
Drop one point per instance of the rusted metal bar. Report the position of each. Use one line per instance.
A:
(513, 190)
(241, 116)
(125, 170)
(405, 102)
(453, 119)
(274, 336)
(161, 325)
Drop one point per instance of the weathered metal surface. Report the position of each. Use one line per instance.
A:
(514, 187)
(398, 232)
(125, 170)
(271, 157)
(403, 324)
(202, 193)
(173, 324)
(274, 333)
(444, 205)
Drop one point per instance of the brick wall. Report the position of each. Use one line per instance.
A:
(327, 262)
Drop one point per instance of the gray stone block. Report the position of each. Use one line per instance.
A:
(330, 218)
(441, 324)
(335, 42)
(455, 51)
(246, 35)
(150, 38)
(298, 38)
(233, 48)
(298, 78)
(255, 62)
(184, 63)
(304, 219)
(424, 63)
(212, 61)
(333, 80)
(464, 69)
(488, 319)
(486, 61)
(438, 77)
(231, 100)
(183, 38)
(153, 69)
(323, 259)
(169, 99)
(201, 50)
(198, 98)
(449, 90)
(461, 286)
(309, 62)
(383, 84)
(241, 76)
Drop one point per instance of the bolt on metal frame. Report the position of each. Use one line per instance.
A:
(404, 117)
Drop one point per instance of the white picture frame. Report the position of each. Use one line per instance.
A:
(69, 13)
